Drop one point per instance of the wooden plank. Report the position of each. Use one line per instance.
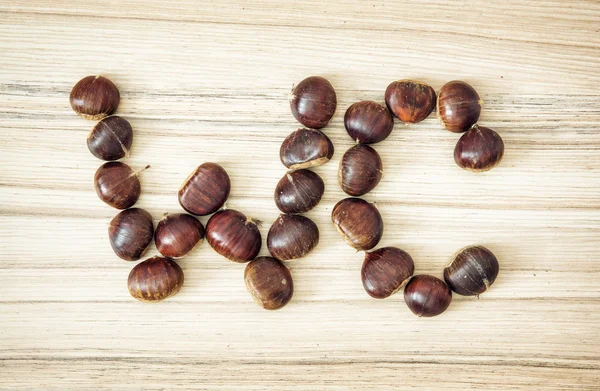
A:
(208, 81)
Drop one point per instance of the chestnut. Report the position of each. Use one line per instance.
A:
(471, 271)
(205, 190)
(427, 295)
(111, 138)
(313, 102)
(269, 282)
(385, 271)
(130, 233)
(155, 279)
(299, 191)
(410, 101)
(178, 234)
(479, 149)
(305, 148)
(233, 235)
(359, 223)
(117, 184)
(292, 237)
(360, 170)
(94, 97)
(368, 122)
(458, 106)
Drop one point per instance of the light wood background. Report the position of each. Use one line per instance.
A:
(208, 81)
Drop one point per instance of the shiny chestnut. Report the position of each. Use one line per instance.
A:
(368, 122)
(205, 190)
(385, 271)
(313, 102)
(117, 184)
(233, 235)
(458, 106)
(178, 234)
(427, 296)
(471, 271)
(360, 170)
(292, 237)
(269, 282)
(410, 101)
(94, 97)
(130, 233)
(359, 223)
(305, 148)
(479, 149)
(299, 191)
(155, 279)
(111, 138)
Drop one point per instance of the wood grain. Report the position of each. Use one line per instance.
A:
(208, 81)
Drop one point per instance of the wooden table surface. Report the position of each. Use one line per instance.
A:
(208, 81)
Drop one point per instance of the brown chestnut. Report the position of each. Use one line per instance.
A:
(385, 271)
(233, 235)
(368, 122)
(479, 149)
(292, 237)
(299, 191)
(205, 190)
(313, 102)
(359, 223)
(155, 279)
(130, 233)
(305, 148)
(178, 234)
(410, 101)
(458, 106)
(269, 282)
(427, 295)
(360, 170)
(111, 138)
(117, 184)
(471, 271)
(94, 97)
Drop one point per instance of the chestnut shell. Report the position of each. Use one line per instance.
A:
(94, 97)
(292, 237)
(306, 148)
(368, 122)
(410, 101)
(299, 191)
(472, 271)
(359, 223)
(130, 233)
(205, 190)
(313, 102)
(458, 106)
(178, 234)
(479, 149)
(233, 235)
(427, 296)
(117, 185)
(360, 170)
(111, 138)
(155, 279)
(385, 271)
(269, 282)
